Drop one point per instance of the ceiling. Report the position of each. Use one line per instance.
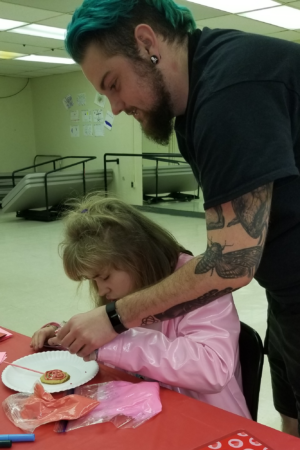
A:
(58, 13)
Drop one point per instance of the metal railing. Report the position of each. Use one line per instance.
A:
(54, 162)
(157, 157)
(44, 156)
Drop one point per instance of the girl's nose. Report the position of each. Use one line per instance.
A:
(102, 287)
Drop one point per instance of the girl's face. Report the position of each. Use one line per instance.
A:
(114, 284)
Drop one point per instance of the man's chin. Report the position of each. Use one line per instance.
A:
(157, 137)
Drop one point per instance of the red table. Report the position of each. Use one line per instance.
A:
(183, 424)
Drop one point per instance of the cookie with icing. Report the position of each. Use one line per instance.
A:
(54, 377)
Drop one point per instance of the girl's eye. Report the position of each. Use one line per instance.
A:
(106, 278)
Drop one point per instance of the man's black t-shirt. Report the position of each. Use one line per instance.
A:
(241, 130)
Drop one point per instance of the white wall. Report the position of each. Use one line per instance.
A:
(52, 131)
(17, 147)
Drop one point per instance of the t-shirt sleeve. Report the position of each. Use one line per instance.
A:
(243, 139)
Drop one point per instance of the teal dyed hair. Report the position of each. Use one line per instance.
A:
(111, 23)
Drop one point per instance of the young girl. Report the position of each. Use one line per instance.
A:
(121, 251)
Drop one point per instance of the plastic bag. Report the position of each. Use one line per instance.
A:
(124, 404)
(29, 411)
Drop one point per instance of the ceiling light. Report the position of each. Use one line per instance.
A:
(46, 59)
(8, 24)
(42, 31)
(9, 55)
(282, 16)
(236, 6)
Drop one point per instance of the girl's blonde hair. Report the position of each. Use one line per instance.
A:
(104, 232)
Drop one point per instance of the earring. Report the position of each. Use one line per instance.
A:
(154, 59)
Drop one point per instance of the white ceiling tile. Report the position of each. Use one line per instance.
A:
(46, 72)
(29, 40)
(295, 4)
(23, 13)
(59, 21)
(63, 6)
(232, 21)
(23, 65)
(286, 35)
(8, 71)
(238, 6)
(64, 69)
(201, 12)
(19, 48)
(34, 74)
(57, 52)
(29, 74)
(282, 15)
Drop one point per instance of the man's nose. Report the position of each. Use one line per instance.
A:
(117, 106)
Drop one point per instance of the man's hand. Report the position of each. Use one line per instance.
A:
(86, 332)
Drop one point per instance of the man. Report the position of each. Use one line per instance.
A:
(236, 99)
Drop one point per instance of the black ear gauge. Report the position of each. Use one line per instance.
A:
(154, 59)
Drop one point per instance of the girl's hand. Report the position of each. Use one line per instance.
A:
(91, 357)
(41, 337)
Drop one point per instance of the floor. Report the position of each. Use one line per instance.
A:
(34, 289)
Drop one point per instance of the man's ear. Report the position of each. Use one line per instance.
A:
(146, 40)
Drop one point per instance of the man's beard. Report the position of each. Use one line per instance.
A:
(158, 122)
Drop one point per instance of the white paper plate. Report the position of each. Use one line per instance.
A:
(23, 380)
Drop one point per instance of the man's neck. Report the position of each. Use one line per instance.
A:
(174, 68)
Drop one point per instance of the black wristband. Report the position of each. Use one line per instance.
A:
(114, 318)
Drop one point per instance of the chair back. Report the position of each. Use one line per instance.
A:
(252, 360)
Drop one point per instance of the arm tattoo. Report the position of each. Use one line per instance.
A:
(214, 218)
(252, 211)
(186, 307)
(239, 263)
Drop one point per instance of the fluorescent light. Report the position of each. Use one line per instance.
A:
(42, 31)
(236, 6)
(8, 24)
(9, 55)
(282, 16)
(46, 59)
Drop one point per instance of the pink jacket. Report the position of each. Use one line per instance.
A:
(196, 354)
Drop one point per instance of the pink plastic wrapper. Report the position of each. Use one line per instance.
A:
(125, 404)
(29, 411)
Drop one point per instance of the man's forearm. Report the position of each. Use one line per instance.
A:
(181, 292)
(242, 225)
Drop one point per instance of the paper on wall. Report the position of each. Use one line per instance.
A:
(86, 116)
(68, 101)
(99, 100)
(74, 130)
(81, 99)
(99, 129)
(98, 115)
(74, 116)
(88, 130)
(109, 120)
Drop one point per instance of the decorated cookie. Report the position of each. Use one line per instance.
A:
(54, 377)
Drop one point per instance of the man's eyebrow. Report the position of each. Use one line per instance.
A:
(102, 85)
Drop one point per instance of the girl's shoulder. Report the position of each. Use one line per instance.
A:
(183, 259)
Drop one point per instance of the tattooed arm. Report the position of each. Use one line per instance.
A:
(236, 232)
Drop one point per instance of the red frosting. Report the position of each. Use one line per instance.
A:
(54, 374)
